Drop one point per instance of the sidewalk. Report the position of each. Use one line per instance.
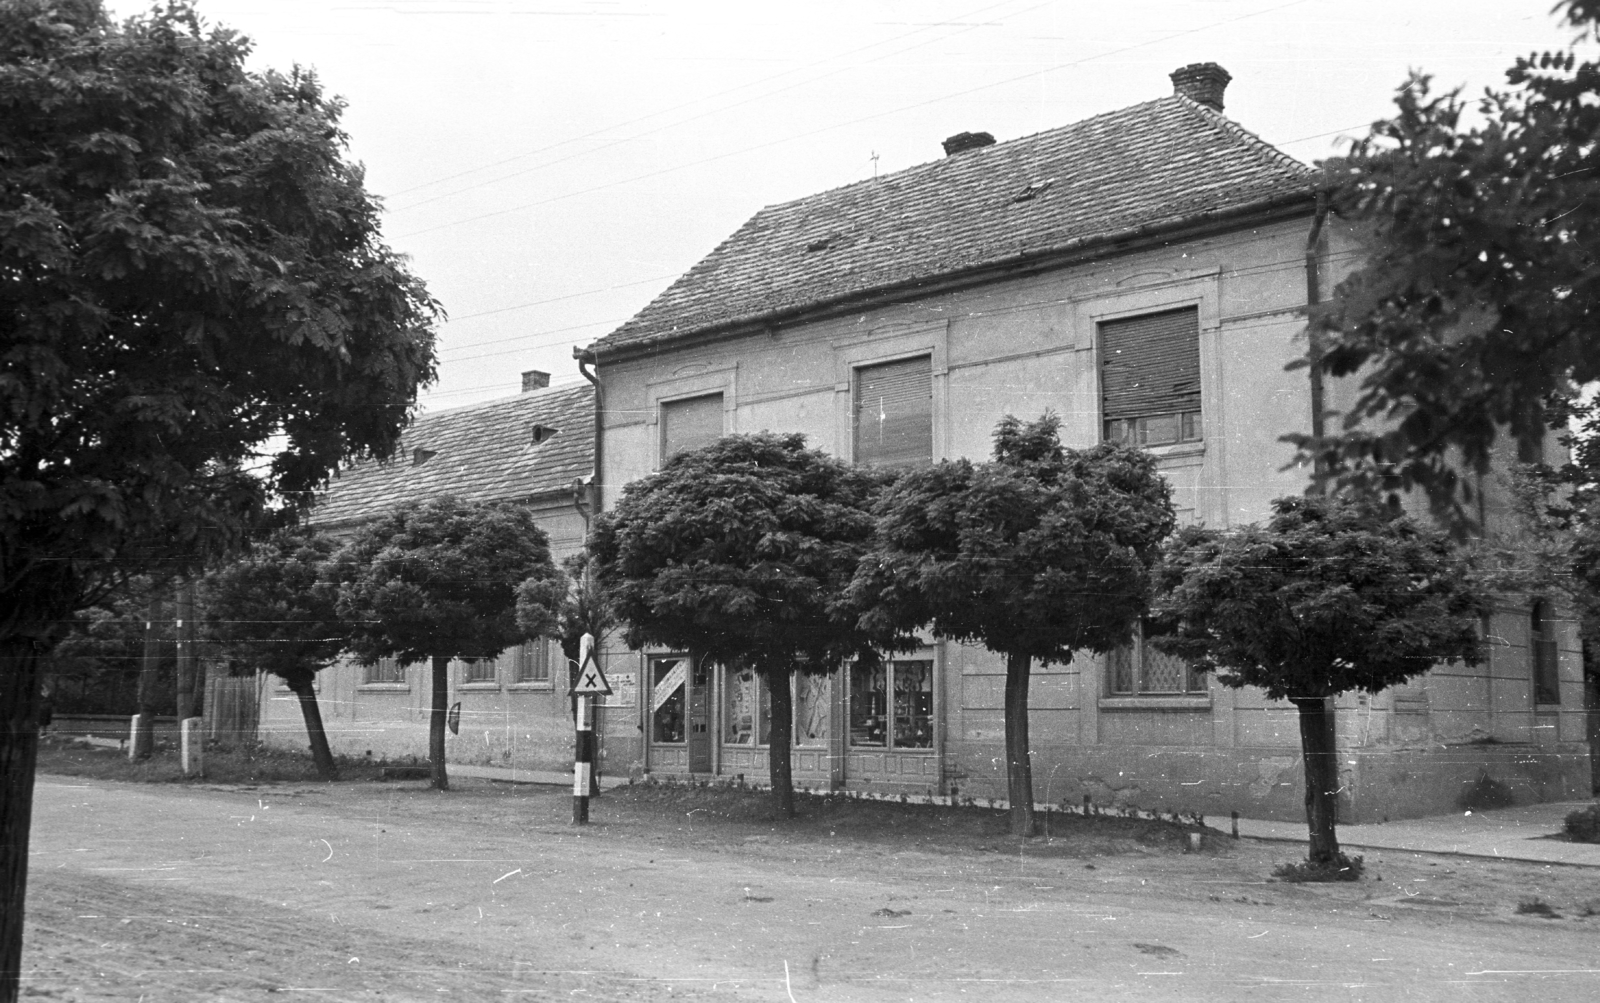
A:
(506, 774)
(1519, 833)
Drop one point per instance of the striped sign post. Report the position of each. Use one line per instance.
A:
(590, 683)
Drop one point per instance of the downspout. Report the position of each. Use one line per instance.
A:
(1314, 336)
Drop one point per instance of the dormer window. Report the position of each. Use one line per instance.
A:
(542, 434)
(419, 456)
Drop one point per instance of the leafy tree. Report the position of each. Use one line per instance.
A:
(94, 668)
(191, 283)
(1331, 595)
(270, 610)
(438, 581)
(1039, 554)
(741, 553)
(1476, 311)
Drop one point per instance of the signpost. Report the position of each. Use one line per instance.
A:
(591, 682)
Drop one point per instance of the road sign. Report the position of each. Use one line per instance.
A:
(591, 679)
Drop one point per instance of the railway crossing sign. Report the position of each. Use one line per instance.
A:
(591, 679)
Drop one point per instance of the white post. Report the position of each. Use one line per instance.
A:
(191, 743)
(133, 736)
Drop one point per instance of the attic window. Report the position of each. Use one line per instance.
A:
(820, 244)
(419, 456)
(1034, 190)
(542, 433)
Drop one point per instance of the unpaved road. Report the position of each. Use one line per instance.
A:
(393, 892)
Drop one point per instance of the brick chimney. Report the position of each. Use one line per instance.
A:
(964, 141)
(1202, 83)
(533, 379)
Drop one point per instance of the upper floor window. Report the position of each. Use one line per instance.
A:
(893, 413)
(1542, 636)
(1150, 378)
(690, 424)
(1138, 669)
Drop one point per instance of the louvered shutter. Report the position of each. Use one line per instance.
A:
(894, 414)
(1150, 365)
(690, 424)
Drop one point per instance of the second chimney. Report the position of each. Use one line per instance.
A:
(533, 379)
(1202, 83)
(964, 141)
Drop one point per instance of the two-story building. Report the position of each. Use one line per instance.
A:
(536, 448)
(1144, 274)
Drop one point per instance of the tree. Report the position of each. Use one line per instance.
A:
(440, 580)
(192, 283)
(269, 609)
(1476, 311)
(741, 553)
(1039, 554)
(1331, 595)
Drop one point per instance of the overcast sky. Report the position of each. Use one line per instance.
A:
(550, 165)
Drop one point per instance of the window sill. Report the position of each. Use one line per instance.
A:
(527, 687)
(880, 748)
(478, 687)
(384, 688)
(1547, 708)
(1177, 450)
(1175, 701)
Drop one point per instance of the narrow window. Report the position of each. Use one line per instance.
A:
(893, 414)
(690, 424)
(1546, 678)
(478, 671)
(812, 699)
(386, 671)
(1140, 669)
(530, 661)
(667, 678)
(1150, 378)
(741, 710)
(913, 705)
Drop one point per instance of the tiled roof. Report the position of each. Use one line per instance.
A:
(1159, 164)
(484, 452)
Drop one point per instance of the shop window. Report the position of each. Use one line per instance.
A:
(667, 678)
(1139, 669)
(690, 424)
(478, 672)
(1150, 378)
(812, 701)
(746, 708)
(891, 705)
(893, 414)
(1546, 670)
(530, 662)
(385, 672)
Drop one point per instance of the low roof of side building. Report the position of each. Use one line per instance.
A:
(516, 448)
(984, 211)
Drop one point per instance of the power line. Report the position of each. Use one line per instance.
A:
(838, 125)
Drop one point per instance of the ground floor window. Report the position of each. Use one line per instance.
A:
(746, 708)
(891, 704)
(813, 698)
(667, 677)
(478, 671)
(385, 671)
(1138, 668)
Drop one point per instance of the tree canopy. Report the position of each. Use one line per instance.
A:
(271, 610)
(1330, 595)
(1475, 311)
(440, 580)
(741, 553)
(1043, 552)
(197, 315)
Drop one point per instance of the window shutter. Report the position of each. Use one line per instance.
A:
(894, 414)
(690, 424)
(1150, 365)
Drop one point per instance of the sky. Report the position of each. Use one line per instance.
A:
(549, 166)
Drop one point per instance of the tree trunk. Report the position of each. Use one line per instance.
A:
(779, 741)
(185, 634)
(441, 705)
(19, 753)
(1322, 778)
(142, 743)
(320, 753)
(1019, 763)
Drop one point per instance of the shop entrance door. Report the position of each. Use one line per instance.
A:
(700, 717)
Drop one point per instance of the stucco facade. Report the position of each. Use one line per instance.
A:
(1025, 338)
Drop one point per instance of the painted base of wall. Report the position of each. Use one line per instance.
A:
(403, 741)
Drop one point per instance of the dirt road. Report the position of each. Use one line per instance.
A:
(394, 892)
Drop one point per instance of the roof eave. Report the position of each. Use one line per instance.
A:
(1115, 244)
